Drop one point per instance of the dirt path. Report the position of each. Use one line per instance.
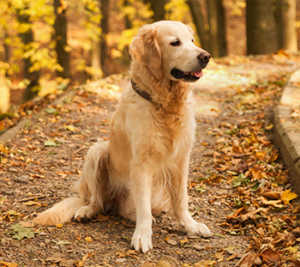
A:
(236, 183)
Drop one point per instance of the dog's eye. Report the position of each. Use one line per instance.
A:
(176, 43)
(193, 40)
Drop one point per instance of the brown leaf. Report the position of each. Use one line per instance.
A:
(274, 203)
(252, 214)
(296, 231)
(272, 195)
(236, 214)
(248, 260)
(270, 256)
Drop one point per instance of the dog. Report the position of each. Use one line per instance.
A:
(143, 168)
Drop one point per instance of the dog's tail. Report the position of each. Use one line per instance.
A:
(93, 190)
(60, 213)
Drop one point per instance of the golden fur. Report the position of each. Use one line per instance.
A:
(143, 169)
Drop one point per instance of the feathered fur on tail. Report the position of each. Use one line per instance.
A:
(93, 190)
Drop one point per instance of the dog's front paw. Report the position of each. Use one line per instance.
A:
(142, 239)
(199, 228)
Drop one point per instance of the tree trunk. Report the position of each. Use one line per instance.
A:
(6, 47)
(27, 38)
(286, 24)
(60, 36)
(128, 23)
(158, 8)
(261, 27)
(196, 10)
(217, 27)
(104, 7)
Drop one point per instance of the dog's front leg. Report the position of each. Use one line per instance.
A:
(141, 186)
(179, 197)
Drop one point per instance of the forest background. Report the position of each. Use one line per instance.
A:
(48, 45)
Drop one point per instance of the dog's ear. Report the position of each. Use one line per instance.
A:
(145, 49)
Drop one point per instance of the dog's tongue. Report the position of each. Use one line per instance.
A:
(197, 74)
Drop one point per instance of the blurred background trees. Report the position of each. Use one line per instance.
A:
(45, 45)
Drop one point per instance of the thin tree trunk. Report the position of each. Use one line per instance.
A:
(196, 10)
(6, 47)
(158, 8)
(60, 36)
(261, 27)
(286, 24)
(217, 27)
(128, 23)
(104, 7)
(33, 76)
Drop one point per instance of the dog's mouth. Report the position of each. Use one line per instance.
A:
(187, 76)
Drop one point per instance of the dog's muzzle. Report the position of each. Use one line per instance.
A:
(203, 59)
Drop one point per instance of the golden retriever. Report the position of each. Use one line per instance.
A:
(143, 169)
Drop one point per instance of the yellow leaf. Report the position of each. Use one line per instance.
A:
(183, 241)
(286, 196)
(205, 263)
(59, 225)
(260, 155)
(8, 264)
(3, 149)
(88, 239)
(32, 203)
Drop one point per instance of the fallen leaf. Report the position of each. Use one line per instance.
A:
(62, 242)
(235, 214)
(272, 195)
(3, 149)
(84, 258)
(32, 203)
(252, 214)
(286, 196)
(219, 256)
(170, 241)
(183, 241)
(70, 128)
(8, 264)
(230, 250)
(260, 155)
(205, 263)
(270, 256)
(20, 232)
(50, 143)
(88, 239)
(249, 259)
(232, 257)
(51, 111)
(296, 231)
(274, 203)
(148, 264)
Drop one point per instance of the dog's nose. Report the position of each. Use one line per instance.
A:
(203, 58)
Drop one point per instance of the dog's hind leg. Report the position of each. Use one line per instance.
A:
(93, 186)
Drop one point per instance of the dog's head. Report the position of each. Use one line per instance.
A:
(167, 50)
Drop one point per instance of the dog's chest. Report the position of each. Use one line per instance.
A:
(175, 133)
